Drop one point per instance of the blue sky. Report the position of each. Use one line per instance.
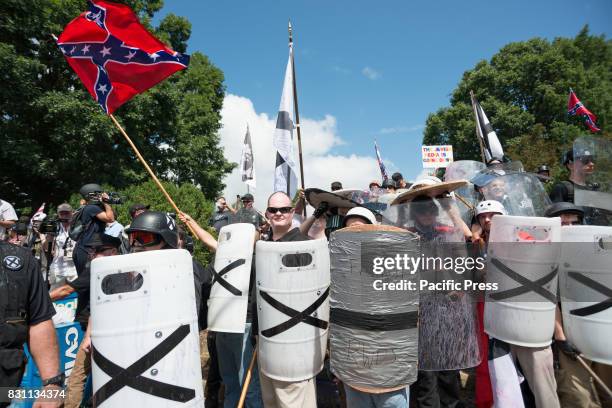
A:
(380, 67)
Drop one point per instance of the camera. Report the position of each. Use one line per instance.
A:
(49, 226)
(113, 198)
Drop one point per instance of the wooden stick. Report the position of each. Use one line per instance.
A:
(150, 171)
(247, 379)
(297, 112)
(595, 377)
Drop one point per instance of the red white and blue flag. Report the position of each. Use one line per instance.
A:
(114, 55)
(383, 170)
(575, 107)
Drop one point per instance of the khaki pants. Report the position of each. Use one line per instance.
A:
(576, 387)
(286, 394)
(77, 379)
(537, 366)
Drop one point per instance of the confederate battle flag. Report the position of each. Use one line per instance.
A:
(114, 55)
(575, 107)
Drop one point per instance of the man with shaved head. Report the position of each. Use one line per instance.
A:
(276, 393)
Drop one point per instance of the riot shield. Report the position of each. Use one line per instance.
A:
(146, 346)
(520, 193)
(447, 312)
(585, 285)
(373, 323)
(484, 176)
(593, 178)
(522, 266)
(467, 196)
(292, 308)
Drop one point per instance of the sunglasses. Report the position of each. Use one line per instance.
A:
(587, 159)
(282, 210)
(144, 238)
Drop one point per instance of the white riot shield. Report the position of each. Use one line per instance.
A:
(373, 329)
(522, 262)
(292, 307)
(229, 295)
(585, 284)
(146, 348)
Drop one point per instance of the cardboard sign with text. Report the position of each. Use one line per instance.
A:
(437, 156)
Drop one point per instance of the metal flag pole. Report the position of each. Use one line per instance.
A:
(482, 154)
(150, 171)
(295, 108)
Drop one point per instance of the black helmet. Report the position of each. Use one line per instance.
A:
(556, 209)
(90, 188)
(543, 168)
(156, 222)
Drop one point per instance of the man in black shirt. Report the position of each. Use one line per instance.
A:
(221, 217)
(25, 315)
(579, 169)
(95, 215)
(248, 214)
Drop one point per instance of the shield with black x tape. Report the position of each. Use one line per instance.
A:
(522, 264)
(145, 337)
(585, 285)
(229, 295)
(292, 307)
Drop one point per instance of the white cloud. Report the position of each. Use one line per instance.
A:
(318, 138)
(371, 73)
(341, 70)
(400, 129)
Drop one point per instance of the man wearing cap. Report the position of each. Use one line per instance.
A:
(336, 185)
(8, 217)
(248, 214)
(579, 169)
(62, 267)
(399, 180)
(100, 245)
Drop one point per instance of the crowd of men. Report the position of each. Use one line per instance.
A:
(45, 261)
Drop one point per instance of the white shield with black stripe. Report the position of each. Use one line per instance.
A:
(523, 263)
(585, 285)
(145, 340)
(229, 295)
(292, 308)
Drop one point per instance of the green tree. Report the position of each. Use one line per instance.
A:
(524, 90)
(55, 138)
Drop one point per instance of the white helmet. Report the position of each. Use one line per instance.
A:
(490, 206)
(360, 212)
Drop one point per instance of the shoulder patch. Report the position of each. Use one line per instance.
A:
(13, 262)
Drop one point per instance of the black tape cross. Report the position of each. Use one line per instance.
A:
(218, 276)
(131, 376)
(526, 285)
(296, 317)
(372, 322)
(590, 283)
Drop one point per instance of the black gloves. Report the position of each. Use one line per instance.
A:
(321, 209)
(567, 348)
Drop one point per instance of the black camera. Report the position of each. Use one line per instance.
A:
(49, 226)
(113, 198)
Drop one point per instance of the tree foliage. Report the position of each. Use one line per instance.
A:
(524, 90)
(55, 138)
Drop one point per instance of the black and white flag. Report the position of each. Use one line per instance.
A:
(247, 162)
(285, 175)
(492, 147)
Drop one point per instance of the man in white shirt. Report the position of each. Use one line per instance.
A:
(62, 267)
(8, 217)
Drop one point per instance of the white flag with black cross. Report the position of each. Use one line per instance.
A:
(492, 147)
(285, 175)
(247, 161)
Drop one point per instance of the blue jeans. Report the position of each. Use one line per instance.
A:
(234, 351)
(393, 399)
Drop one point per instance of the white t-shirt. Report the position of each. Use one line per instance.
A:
(7, 213)
(62, 267)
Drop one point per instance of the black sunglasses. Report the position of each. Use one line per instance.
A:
(283, 210)
(587, 159)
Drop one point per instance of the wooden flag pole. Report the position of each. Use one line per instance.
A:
(247, 380)
(482, 154)
(595, 377)
(150, 171)
(297, 112)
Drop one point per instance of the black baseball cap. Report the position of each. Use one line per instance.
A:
(138, 206)
(247, 197)
(397, 177)
(336, 185)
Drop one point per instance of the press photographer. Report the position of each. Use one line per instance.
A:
(89, 220)
(59, 247)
